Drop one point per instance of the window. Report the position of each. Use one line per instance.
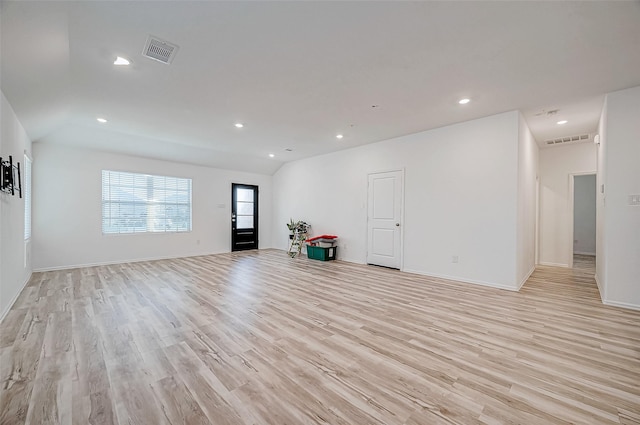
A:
(139, 203)
(27, 198)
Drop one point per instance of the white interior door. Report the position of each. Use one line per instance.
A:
(384, 226)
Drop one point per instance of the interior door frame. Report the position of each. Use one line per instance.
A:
(256, 216)
(402, 220)
(537, 224)
(572, 202)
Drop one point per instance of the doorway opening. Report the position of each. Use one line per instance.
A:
(584, 191)
(244, 217)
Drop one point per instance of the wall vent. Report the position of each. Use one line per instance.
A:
(159, 50)
(569, 139)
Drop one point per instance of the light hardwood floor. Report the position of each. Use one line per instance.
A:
(585, 262)
(259, 338)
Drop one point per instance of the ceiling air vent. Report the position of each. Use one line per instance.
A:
(569, 139)
(159, 50)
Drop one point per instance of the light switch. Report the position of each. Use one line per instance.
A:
(634, 200)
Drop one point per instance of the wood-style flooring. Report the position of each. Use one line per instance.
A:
(260, 338)
(585, 262)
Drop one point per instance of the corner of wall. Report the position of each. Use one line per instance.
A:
(526, 277)
(527, 162)
(601, 175)
(10, 304)
(15, 269)
(621, 219)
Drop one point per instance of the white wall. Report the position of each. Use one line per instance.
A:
(556, 205)
(67, 209)
(461, 186)
(14, 270)
(584, 215)
(622, 221)
(527, 174)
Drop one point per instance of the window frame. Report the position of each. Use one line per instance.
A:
(28, 198)
(145, 208)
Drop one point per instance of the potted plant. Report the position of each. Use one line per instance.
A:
(299, 231)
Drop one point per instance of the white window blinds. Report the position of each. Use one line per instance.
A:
(27, 198)
(138, 203)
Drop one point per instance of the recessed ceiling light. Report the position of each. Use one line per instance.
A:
(121, 61)
(339, 136)
(239, 125)
(464, 101)
(562, 122)
(271, 155)
(101, 120)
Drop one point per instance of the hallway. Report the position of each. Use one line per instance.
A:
(586, 263)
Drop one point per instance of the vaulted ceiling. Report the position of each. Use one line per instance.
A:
(296, 74)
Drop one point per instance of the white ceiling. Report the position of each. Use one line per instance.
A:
(298, 73)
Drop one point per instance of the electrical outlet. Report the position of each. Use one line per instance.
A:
(454, 259)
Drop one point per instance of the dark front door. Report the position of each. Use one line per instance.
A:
(244, 217)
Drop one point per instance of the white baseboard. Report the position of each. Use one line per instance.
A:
(351, 260)
(544, 263)
(109, 263)
(600, 289)
(613, 303)
(523, 281)
(458, 279)
(591, 254)
(15, 298)
(622, 305)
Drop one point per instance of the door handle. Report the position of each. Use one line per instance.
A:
(397, 224)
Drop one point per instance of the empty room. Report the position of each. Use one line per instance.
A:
(319, 212)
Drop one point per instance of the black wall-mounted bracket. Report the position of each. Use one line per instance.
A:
(10, 179)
